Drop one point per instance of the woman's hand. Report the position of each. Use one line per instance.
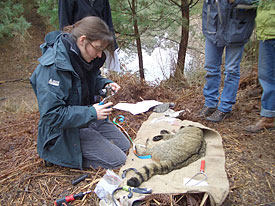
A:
(102, 111)
(114, 86)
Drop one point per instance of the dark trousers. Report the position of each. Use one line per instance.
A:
(103, 145)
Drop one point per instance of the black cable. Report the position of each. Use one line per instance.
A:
(113, 194)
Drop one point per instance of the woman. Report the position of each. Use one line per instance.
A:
(71, 11)
(73, 131)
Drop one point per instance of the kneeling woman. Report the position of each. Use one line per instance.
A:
(73, 130)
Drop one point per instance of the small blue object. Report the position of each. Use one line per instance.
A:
(144, 157)
(121, 118)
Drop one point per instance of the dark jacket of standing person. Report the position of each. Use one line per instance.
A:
(224, 23)
(227, 25)
(71, 11)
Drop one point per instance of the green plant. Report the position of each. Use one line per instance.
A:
(49, 10)
(12, 23)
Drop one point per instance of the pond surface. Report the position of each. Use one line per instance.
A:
(157, 65)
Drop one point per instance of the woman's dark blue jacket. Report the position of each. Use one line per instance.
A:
(58, 90)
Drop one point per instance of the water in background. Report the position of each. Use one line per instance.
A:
(157, 65)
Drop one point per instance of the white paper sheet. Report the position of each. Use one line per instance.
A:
(137, 108)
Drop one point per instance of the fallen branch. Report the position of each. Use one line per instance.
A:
(269, 185)
(205, 197)
(18, 170)
(83, 202)
(13, 80)
(24, 122)
(266, 204)
(239, 186)
(22, 200)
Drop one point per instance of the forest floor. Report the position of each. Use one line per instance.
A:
(25, 180)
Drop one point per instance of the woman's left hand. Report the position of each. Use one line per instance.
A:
(114, 86)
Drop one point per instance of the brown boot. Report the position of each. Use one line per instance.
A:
(263, 123)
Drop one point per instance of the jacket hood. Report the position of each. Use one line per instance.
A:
(54, 52)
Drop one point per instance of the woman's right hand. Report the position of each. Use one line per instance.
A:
(102, 111)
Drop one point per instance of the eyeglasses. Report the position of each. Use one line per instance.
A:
(96, 49)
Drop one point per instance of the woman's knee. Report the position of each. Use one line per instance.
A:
(112, 161)
(125, 145)
(115, 162)
(118, 162)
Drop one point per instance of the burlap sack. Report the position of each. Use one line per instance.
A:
(173, 182)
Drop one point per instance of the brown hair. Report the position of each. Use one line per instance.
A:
(94, 29)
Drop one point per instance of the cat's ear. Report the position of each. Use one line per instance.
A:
(157, 138)
(164, 131)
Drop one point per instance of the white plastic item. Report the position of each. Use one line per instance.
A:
(108, 183)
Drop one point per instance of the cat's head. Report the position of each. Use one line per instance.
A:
(191, 129)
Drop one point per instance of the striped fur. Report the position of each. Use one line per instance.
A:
(176, 151)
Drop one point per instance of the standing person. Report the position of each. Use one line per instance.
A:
(73, 131)
(71, 11)
(265, 31)
(225, 27)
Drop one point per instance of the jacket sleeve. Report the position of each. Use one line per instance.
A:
(58, 106)
(107, 17)
(65, 13)
(101, 81)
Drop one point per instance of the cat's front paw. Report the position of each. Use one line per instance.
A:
(133, 182)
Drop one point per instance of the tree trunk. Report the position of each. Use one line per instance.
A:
(179, 73)
(138, 42)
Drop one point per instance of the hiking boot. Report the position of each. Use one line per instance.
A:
(218, 116)
(206, 111)
(263, 123)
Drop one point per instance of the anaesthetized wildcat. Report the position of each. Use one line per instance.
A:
(176, 151)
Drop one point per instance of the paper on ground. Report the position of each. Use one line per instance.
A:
(137, 108)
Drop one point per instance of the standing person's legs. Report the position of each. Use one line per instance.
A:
(213, 61)
(233, 57)
(266, 75)
(103, 145)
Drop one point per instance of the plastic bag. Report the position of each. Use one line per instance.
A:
(108, 183)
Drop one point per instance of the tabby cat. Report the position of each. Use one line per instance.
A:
(176, 151)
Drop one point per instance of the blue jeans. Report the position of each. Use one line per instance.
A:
(213, 61)
(266, 75)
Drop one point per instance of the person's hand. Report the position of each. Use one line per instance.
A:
(102, 111)
(114, 86)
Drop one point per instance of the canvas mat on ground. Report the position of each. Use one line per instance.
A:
(173, 183)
